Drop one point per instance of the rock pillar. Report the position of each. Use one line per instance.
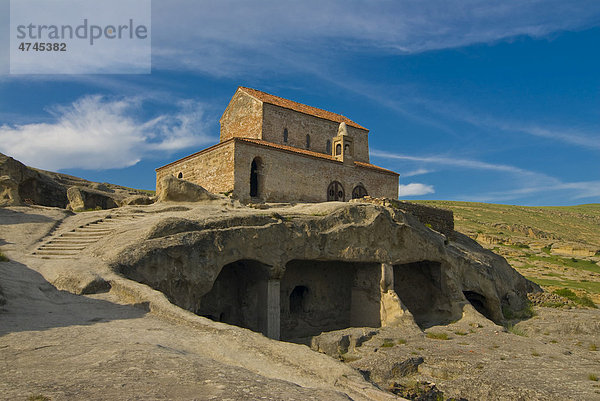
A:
(391, 310)
(273, 309)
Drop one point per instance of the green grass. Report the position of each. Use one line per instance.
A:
(593, 377)
(566, 223)
(437, 336)
(3, 257)
(460, 333)
(401, 341)
(593, 347)
(515, 330)
(524, 313)
(38, 397)
(589, 286)
(388, 343)
(570, 262)
(517, 246)
(583, 300)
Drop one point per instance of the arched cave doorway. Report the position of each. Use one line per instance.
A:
(318, 296)
(359, 192)
(479, 302)
(335, 192)
(421, 286)
(239, 296)
(180, 175)
(255, 177)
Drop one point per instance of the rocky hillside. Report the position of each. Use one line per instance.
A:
(556, 247)
(23, 185)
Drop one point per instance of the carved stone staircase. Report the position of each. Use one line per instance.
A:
(68, 245)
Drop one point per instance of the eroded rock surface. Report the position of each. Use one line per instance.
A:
(177, 190)
(21, 184)
(327, 262)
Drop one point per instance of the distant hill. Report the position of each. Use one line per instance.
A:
(557, 247)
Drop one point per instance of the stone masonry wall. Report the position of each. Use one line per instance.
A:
(286, 176)
(276, 119)
(242, 118)
(441, 220)
(211, 168)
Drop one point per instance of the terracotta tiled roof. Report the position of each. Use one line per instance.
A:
(299, 107)
(310, 153)
(285, 148)
(218, 145)
(374, 167)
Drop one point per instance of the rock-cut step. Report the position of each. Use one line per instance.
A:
(68, 245)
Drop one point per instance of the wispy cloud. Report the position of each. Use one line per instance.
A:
(415, 189)
(529, 183)
(463, 163)
(99, 133)
(588, 138)
(419, 171)
(233, 36)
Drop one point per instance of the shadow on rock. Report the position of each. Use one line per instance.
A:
(32, 303)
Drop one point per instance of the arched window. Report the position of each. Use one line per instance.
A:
(335, 192)
(255, 177)
(328, 147)
(298, 299)
(359, 192)
(180, 175)
(307, 141)
(338, 149)
(285, 135)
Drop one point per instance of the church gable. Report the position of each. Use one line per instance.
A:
(242, 117)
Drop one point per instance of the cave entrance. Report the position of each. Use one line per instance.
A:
(318, 296)
(239, 296)
(421, 288)
(479, 302)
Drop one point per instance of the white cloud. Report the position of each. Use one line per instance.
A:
(99, 133)
(415, 189)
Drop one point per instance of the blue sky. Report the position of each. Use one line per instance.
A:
(467, 100)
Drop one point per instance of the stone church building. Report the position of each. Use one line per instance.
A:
(277, 150)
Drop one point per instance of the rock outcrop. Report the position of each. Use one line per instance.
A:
(20, 184)
(88, 199)
(33, 186)
(177, 190)
(9, 192)
(330, 266)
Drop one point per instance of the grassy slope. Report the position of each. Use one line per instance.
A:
(529, 237)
